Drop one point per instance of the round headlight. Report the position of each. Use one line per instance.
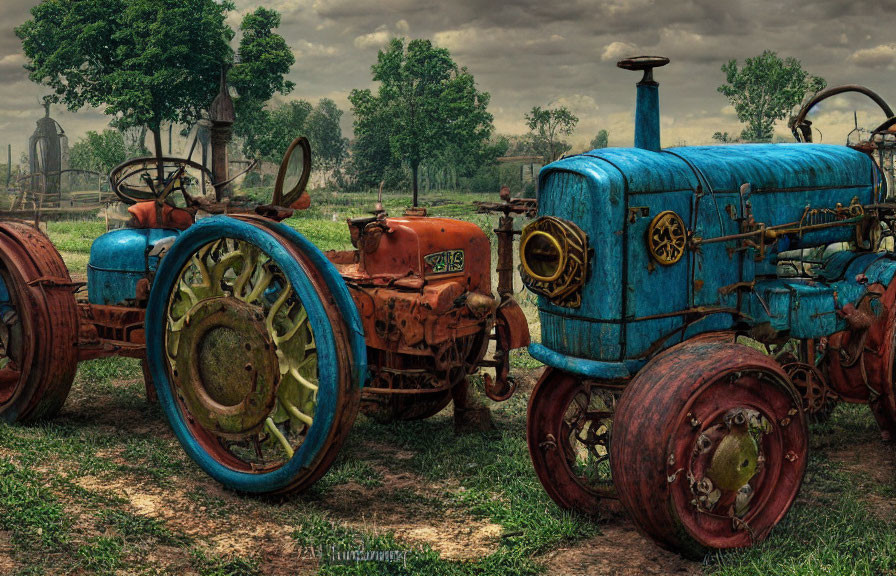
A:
(554, 260)
(543, 256)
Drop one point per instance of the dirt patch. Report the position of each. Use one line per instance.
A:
(170, 559)
(872, 464)
(872, 460)
(7, 552)
(400, 506)
(619, 551)
(249, 535)
(526, 380)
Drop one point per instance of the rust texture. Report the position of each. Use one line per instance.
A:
(111, 331)
(860, 361)
(709, 446)
(40, 325)
(423, 288)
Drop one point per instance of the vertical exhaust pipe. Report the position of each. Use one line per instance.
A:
(647, 112)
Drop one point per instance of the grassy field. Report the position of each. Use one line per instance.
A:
(105, 488)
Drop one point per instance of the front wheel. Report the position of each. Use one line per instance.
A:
(710, 447)
(568, 428)
(253, 356)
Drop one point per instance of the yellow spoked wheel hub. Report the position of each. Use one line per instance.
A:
(242, 355)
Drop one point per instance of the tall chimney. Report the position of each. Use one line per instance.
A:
(647, 112)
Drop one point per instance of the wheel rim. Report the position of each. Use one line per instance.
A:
(338, 343)
(569, 429)
(242, 355)
(587, 423)
(818, 398)
(738, 450)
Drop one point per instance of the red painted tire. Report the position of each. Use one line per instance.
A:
(709, 447)
(855, 376)
(39, 332)
(567, 416)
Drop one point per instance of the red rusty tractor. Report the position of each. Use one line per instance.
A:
(260, 347)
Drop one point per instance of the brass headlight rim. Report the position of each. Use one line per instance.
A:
(652, 227)
(561, 250)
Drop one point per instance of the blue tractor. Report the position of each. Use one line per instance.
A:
(698, 305)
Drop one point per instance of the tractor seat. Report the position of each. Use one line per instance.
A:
(147, 215)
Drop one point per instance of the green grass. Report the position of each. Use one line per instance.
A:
(76, 493)
(29, 509)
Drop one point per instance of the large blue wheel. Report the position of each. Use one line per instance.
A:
(256, 352)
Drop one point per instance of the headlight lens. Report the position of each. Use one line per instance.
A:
(543, 256)
(554, 258)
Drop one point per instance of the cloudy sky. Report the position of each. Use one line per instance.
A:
(531, 52)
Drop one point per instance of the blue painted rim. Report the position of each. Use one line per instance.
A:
(206, 231)
(340, 293)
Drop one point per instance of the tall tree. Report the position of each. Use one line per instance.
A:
(765, 90)
(371, 159)
(325, 134)
(546, 128)
(287, 122)
(144, 61)
(99, 151)
(264, 60)
(425, 104)
(602, 140)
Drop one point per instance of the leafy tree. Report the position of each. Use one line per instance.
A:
(371, 159)
(286, 122)
(324, 133)
(765, 90)
(722, 137)
(144, 61)
(602, 140)
(264, 60)
(425, 104)
(99, 151)
(546, 127)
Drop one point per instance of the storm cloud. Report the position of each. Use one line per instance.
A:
(530, 52)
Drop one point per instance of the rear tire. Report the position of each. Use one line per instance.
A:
(38, 326)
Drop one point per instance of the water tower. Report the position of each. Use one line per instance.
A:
(47, 153)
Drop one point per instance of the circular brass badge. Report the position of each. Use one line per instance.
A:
(667, 238)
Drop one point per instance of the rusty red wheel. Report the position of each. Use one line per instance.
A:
(819, 399)
(569, 424)
(861, 364)
(38, 325)
(709, 447)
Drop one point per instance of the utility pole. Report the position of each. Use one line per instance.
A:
(8, 164)
(170, 129)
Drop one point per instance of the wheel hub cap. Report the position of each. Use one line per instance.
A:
(228, 375)
(735, 461)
